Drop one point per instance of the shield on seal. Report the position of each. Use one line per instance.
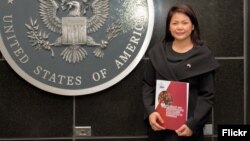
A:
(74, 30)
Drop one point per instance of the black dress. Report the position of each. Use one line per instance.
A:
(197, 67)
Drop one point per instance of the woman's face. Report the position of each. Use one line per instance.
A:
(181, 27)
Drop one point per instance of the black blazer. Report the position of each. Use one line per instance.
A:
(200, 77)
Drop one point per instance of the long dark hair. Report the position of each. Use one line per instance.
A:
(187, 10)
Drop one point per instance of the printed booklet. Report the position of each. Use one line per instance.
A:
(171, 102)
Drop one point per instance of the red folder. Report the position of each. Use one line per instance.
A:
(172, 102)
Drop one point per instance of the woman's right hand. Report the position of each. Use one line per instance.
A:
(154, 120)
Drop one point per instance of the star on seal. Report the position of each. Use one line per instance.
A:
(10, 1)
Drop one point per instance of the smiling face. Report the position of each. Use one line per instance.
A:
(181, 27)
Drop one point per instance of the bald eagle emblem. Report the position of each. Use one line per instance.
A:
(69, 20)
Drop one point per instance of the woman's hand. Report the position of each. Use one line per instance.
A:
(184, 130)
(154, 120)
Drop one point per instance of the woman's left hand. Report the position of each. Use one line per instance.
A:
(184, 130)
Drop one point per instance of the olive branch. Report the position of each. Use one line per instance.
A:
(38, 38)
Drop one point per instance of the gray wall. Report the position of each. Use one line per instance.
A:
(27, 113)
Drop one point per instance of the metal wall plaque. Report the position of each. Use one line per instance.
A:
(75, 47)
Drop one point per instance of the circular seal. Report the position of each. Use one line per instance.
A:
(75, 47)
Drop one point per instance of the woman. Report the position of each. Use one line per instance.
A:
(181, 56)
